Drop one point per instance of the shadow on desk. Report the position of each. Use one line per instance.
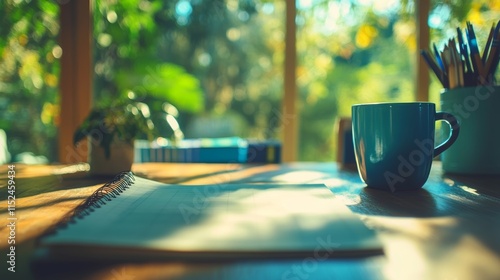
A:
(416, 203)
(480, 184)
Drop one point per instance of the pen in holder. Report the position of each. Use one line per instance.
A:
(470, 94)
(460, 63)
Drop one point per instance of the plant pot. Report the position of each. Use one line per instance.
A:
(121, 158)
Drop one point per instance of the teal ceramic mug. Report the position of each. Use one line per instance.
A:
(394, 143)
(477, 150)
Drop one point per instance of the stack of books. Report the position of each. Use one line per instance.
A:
(209, 150)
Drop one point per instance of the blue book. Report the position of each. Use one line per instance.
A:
(210, 150)
(266, 151)
(206, 150)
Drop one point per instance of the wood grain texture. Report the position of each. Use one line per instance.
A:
(449, 229)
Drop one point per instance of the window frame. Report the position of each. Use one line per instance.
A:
(75, 84)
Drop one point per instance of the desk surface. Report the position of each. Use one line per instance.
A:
(450, 229)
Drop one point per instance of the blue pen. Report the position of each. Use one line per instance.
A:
(474, 52)
(463, 49)
(438, 57)
(488, 45)
(494, 55)
(439, 74)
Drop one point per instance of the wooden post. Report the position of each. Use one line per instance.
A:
(290, 117)
(76, 78)
(422, 74)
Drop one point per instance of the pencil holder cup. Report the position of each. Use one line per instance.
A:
(477, 149)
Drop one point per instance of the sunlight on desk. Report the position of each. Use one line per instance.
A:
(446, 230)
(299, 176)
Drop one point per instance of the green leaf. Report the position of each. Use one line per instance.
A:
(167, 82)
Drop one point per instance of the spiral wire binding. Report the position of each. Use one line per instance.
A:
(100, 197)
(104, 194)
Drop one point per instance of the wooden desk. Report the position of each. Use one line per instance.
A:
(450, 229)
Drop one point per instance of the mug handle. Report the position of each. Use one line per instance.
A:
(455, 129)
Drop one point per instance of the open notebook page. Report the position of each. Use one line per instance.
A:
(157, 220)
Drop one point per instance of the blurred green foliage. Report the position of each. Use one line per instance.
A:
(220, 62)
(29, 73)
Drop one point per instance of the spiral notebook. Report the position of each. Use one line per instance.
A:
(133, 218)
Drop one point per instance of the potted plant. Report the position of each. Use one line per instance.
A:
(111, 130)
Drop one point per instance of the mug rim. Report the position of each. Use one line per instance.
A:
(394, 103)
